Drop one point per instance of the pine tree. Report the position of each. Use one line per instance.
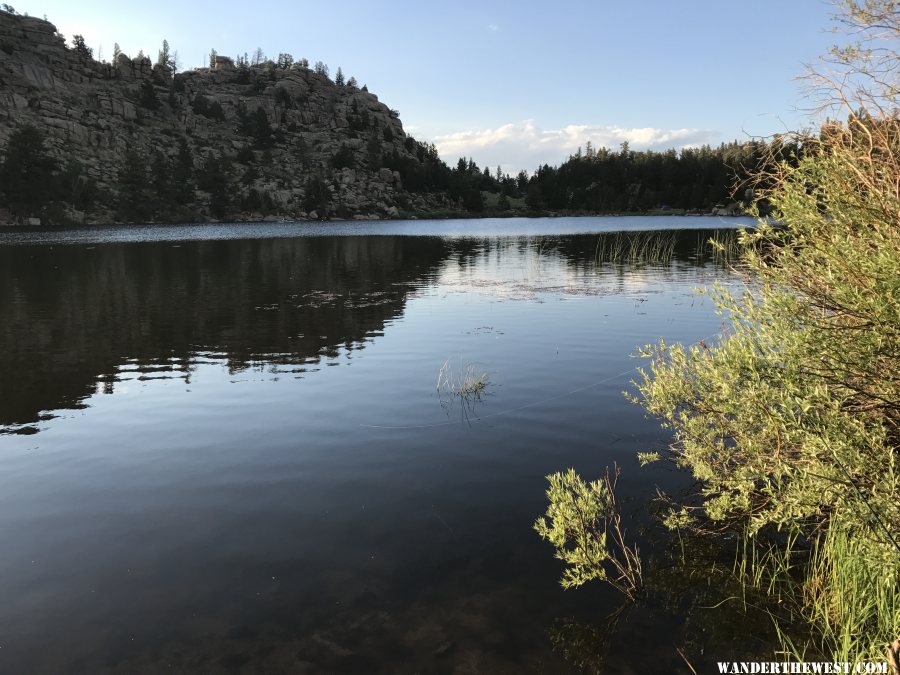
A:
(165, 56)
(373, 151)
(27, 172)
(81, 48)
(182, 173)
(213, 179)
(301, 151)
(317, 196)
(148, 95)
(161, 177)
(135, 203)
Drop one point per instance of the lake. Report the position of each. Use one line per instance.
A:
(222, 447)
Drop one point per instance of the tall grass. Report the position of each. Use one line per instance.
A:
(840, 589)
(636, 248)
(726, 247)
(851, 597)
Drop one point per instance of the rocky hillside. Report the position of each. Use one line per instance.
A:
(130, 141)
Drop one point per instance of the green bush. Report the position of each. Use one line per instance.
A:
(790, 422)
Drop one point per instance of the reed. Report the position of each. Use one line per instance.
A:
(637, 248)
(840, 589)
(464, 382)
(727, 248)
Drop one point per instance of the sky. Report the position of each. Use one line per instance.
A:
(514, 84)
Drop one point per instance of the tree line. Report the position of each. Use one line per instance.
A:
(601, 180)
(160, 185)
(623, 181)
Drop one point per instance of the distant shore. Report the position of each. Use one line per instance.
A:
(436, 215)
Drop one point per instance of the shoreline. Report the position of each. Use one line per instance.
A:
(403, 217)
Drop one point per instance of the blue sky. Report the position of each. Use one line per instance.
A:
(513, 83)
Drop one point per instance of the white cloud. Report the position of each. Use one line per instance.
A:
(524, 145)
(493, 27)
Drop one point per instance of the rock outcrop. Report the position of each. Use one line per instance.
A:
(274, 134)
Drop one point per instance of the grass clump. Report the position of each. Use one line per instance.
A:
(726, 248)
(637, 248)
(467, 383)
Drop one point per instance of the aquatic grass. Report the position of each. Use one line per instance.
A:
(837, 590)
(637, 248)
(851, 596)
(467, 382)
(586, 645)
(727, 247)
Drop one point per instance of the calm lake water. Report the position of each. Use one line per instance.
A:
(222, 449)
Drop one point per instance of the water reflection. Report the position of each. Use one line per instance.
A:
(243, 464)
(77, 320)
(693, 602)
(76, 317)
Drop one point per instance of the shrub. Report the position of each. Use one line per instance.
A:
(791, 423)
(148, 96)
(343, 158)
